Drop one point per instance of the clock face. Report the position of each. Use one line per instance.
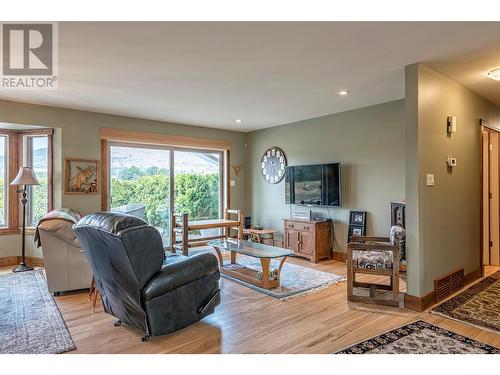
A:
(273, 165)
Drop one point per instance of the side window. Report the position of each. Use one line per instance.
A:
(3, 181)
(36, 155)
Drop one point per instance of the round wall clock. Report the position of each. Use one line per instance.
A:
(273, 165)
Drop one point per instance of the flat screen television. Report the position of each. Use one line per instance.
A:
(313, 185)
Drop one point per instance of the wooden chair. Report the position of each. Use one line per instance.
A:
(373, 256)
(239, 218)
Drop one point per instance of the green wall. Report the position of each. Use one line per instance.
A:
(369, 142)
(386, 150)
(77, 135)
(443, 220)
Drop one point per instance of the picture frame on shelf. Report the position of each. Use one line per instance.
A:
(357, 224)
(355, 230)
(81, 176)
(357, 218)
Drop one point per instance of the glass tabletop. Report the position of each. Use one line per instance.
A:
(254, 249)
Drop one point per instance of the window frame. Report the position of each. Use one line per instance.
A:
(172, 149)
(6, 182)
(27, 143)
(111, 136)
(14, 160)
(224, 171)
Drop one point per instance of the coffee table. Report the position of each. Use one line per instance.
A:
(256, 250)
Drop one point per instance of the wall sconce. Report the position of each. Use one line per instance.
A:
(236, 169)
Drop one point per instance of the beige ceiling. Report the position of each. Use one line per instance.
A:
(267, 74)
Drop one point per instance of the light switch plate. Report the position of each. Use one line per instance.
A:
(232, 183)
(430, 180)
(452, 124)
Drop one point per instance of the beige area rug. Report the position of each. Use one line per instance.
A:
(420, 338)
(296, 281)
(478, 305)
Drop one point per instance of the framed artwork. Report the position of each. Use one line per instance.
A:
(357, 224)
(398, 214)
(357, 218)
(81, 176)
(355, 230)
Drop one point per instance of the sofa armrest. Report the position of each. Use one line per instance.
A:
(175, 275)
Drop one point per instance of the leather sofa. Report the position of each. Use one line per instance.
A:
(66, 267)
(141, 286)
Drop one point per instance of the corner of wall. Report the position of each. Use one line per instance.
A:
(412, 181)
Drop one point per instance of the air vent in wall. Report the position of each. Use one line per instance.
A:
(448, 284)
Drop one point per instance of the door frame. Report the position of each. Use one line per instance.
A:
(488, 129)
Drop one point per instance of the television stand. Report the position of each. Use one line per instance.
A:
(309, 239)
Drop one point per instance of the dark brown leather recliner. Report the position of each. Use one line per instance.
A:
(140, 285)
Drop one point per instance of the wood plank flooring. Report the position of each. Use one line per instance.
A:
(250, 322)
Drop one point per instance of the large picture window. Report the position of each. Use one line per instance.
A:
(147, 181)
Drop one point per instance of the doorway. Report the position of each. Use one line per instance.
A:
(490, 159)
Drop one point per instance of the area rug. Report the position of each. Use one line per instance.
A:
(30, 322)
(478, 305)
(296, 281)
(420, 338)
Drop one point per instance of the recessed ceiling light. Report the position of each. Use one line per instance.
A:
(494, 74)
(343, 92)
(238, 120)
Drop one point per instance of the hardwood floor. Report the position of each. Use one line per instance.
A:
(250, 322)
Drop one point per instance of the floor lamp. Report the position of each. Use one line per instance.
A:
(25, 177)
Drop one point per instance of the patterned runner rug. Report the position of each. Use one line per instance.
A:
(30, 322)
(478, 305)
(420, 338)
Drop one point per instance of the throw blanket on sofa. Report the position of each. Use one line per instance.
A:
(67, 214)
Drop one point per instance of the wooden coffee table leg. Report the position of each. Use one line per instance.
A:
(280, 267)
(219, 255)
(233, 257)
(265, 272)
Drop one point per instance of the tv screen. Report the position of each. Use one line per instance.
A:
(313, 185)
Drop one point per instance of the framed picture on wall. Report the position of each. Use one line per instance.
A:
(81, 176)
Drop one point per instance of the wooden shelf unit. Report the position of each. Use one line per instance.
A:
(181, 226)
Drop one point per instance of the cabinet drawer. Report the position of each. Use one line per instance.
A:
(299, 226)
(306, 226)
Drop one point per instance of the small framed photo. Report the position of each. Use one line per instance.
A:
(357, 218)
(355, 230)
(81, 176)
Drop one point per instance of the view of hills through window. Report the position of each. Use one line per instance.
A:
(140, 184)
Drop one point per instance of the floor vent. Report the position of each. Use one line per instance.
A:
(448, 284)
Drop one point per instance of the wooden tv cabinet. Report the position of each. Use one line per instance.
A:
(309, 239)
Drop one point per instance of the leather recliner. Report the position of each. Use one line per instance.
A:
(140, 285)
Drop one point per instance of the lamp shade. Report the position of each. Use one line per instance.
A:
(25, 176)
